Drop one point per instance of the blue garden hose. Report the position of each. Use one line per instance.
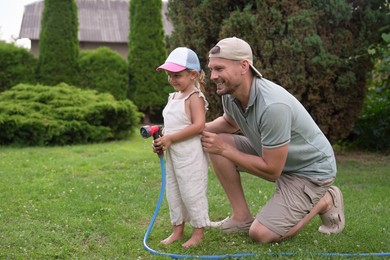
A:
(176, 256)
(238, 255)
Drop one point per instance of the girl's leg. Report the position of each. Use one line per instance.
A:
(196, 238)
(174, 202)
(177, 234)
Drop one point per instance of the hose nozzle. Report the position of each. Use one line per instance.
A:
(147, 131)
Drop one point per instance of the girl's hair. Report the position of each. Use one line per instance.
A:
(200, 81)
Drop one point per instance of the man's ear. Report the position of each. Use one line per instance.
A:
(245, 66)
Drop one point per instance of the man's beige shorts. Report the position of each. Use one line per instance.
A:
(293, 199)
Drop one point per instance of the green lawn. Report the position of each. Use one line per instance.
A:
(96, 202)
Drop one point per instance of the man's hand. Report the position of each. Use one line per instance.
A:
(212, 143)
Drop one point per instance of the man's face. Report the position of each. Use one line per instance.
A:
(226, 74)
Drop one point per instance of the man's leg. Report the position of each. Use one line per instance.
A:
(258, 232)
(230, 180)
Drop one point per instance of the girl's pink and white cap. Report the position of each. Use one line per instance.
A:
(180, 59)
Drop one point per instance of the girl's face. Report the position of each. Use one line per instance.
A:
(182, 80)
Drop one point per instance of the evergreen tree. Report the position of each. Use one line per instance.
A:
(58, 46)
(317, 50)
(148, 89)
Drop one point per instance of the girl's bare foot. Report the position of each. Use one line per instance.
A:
(177, 234)
(196, 238)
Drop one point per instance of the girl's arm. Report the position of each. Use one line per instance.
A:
(195, 110)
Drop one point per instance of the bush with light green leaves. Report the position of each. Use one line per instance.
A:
(62, 115)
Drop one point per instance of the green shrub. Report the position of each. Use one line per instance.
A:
(63, 114)
(17, 66)
(105, 71)
(372, 130)
(317, 50)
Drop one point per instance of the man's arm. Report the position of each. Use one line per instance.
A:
(222, 124)
(269, 166)
(196, 110)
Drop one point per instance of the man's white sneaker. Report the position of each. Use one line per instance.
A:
(229, 225)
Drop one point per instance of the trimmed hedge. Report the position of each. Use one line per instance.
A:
(17, 66)
(62, 115)
(104, 70)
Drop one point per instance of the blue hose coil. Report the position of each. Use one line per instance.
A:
(239, 255)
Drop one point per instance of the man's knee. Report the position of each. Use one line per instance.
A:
(227, 138)
(260, 233)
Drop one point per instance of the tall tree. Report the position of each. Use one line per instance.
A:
(58, 45)
(148, 89)
(317, 50)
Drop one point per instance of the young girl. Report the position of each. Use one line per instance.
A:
(186, 162)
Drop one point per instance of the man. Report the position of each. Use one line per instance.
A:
(281, 143)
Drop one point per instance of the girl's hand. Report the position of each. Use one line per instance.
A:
(157, 148)
(164, 142)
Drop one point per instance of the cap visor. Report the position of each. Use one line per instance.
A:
(256, 71)
(171, 67)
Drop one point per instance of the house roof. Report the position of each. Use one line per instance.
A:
(99, 20)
